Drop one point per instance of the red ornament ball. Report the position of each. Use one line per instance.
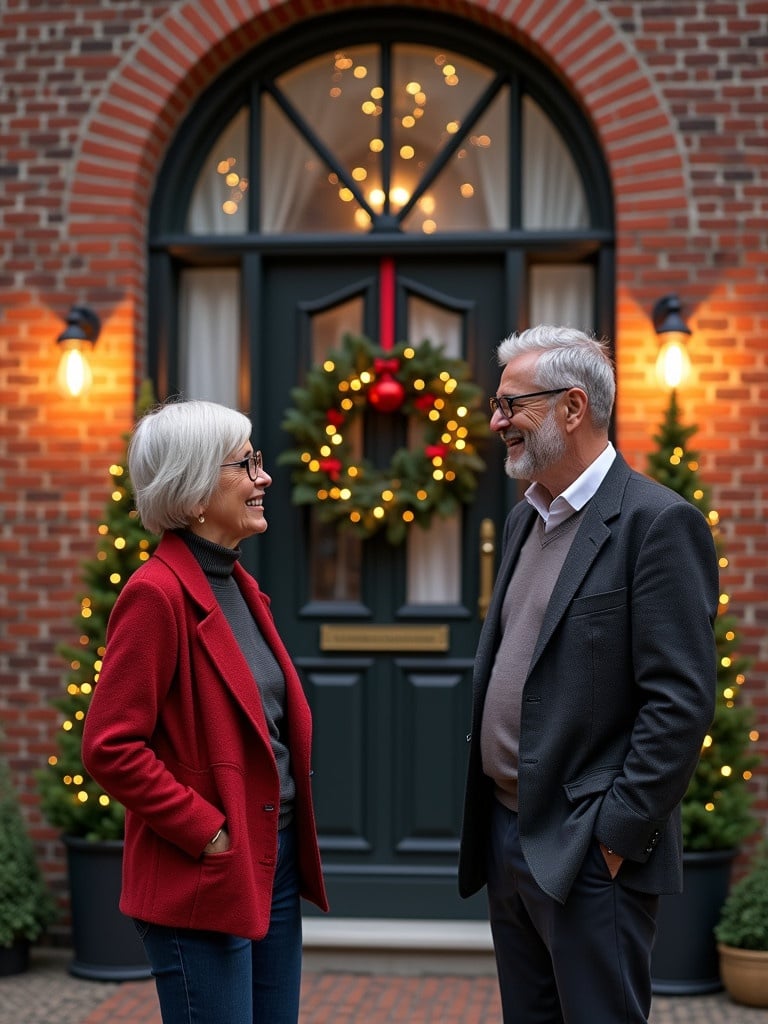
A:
(386, 394)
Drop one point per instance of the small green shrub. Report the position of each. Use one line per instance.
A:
(26, 905)
(744, 917)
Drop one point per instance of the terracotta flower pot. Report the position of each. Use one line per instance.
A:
(745, 974)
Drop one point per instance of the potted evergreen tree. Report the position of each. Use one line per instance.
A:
(106, 945)
(716, 810)
(26, 905)
(742, 935)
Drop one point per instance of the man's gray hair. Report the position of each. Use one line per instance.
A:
(569, 358)
(175, 456)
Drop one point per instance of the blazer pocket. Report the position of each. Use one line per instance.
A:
(599, 602)
(592, 784)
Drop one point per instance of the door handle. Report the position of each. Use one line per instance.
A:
(487, 560)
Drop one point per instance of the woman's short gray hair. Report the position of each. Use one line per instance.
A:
(569, 358)
(175, 456)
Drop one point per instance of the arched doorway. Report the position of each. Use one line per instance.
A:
(379, 163)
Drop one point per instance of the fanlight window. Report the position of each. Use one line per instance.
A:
(410, 138)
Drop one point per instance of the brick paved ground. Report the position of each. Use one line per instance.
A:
(377, 999)
(47, 994)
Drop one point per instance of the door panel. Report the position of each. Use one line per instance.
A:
(431, 704)
(338, 697)
(389, 724)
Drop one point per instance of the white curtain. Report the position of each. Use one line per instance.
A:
(290, 175)
(562, 294)
(492, 164)
(553, 194)
(206, 215)
(330, 326)
(209, 333)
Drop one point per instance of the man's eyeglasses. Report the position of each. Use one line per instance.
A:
(506, 403)
(253, 465)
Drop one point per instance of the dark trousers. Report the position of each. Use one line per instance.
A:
(585, 962)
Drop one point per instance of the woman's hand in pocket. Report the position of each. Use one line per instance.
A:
(219, 844)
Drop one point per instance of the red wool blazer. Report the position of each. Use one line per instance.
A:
(176, 732)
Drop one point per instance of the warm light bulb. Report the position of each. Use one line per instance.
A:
(74, 375)
(399, 196)
(673, 364)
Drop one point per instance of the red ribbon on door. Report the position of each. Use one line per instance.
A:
(387, 303)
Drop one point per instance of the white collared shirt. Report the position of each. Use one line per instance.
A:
(575, 496)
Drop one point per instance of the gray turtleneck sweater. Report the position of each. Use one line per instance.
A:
(217, 563)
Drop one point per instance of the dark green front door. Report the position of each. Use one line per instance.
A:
(390, 723)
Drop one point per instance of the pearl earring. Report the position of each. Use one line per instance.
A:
(201, 518)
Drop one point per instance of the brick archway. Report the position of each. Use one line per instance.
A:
(150, 92)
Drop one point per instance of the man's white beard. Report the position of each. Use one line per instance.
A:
(543, 448)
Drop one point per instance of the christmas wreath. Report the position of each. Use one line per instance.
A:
(436, 474)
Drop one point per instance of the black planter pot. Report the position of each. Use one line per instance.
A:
(685, 960)
(106, 944)
(14, 959)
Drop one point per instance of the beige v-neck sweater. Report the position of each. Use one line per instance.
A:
(530, 588)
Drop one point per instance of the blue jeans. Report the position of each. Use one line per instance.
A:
(212, 978)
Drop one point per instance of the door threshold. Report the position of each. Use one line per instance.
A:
(398, 946)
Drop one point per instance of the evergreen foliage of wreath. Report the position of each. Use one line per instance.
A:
(436, 475)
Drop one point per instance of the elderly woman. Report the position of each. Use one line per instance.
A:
(200, 727)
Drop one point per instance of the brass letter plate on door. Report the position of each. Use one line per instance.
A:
(379, 637)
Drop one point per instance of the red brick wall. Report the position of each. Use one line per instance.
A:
(91, 96)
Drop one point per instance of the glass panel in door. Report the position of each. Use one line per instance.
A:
(433, 564)
(335, 557)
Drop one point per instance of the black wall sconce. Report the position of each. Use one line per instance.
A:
(673, 364)
(77, 340)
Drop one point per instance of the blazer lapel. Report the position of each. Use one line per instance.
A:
(214, 632)
(216, 636)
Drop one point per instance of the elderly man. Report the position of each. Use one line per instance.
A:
(594, 688)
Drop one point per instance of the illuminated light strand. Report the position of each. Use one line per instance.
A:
(724, 757)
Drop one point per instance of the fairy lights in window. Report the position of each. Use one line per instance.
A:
(237, 186)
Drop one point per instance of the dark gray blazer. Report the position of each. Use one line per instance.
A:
(619, 694)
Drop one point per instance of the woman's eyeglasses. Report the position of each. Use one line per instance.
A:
(253, 464)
